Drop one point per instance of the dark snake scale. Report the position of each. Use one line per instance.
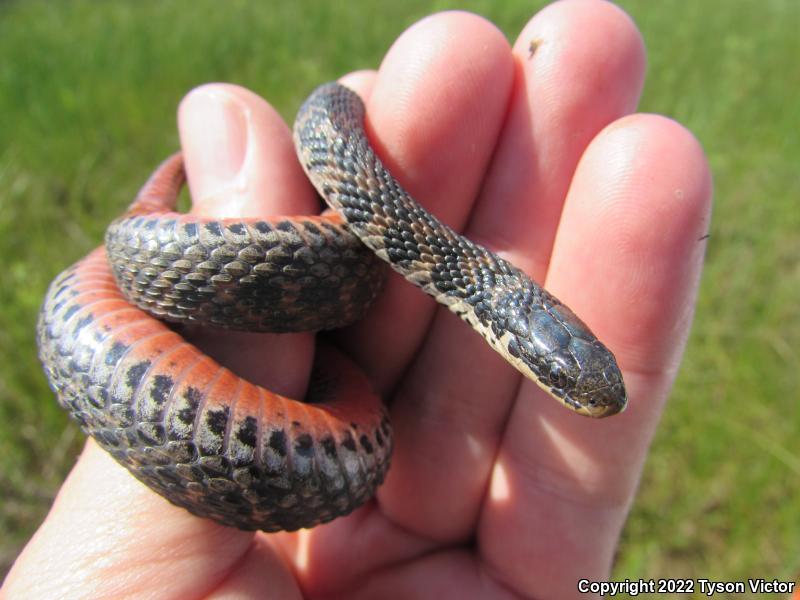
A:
(229, 450)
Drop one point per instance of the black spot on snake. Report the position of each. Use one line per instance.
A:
(217, 420)
(277, 441)
(348, 441)
(135, 373)
(162, 384)
(304, 445)
(247, 432)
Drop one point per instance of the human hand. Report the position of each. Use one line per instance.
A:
(494, 488)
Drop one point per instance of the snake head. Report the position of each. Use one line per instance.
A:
(554, 348)
(598, 390)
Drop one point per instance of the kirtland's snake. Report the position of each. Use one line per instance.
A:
(237, 453)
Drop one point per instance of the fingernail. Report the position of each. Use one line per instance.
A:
(214, 130)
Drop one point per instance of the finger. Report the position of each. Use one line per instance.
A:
(627, 259)
(240, 158)
(240, 162)
(433, 116)
(360, 82)
(459, 410)
(580, 66)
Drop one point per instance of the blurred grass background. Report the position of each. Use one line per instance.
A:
(88, 92)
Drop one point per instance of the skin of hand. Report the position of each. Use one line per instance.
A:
(495, 490)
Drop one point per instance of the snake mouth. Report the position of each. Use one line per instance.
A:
(601, 402)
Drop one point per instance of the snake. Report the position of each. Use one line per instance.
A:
(112, 344)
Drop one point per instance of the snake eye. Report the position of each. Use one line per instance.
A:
(557, 376)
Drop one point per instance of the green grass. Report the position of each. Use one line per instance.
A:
(88, 92)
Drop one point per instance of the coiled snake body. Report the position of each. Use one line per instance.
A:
(235, 452)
